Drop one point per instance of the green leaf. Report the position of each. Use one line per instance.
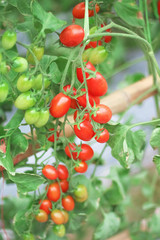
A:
(24, 7)
(14, 122)
(154, 224)
(19, 143)
(156, 160)
(26, 25)
(46, 61)
(108, 227)
(55, 73)
(155, 138)
(22, 222)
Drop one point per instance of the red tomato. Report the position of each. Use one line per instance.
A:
(79, 10)
(62, 172)
(74, 90)
(96, 99)
(72, 35)
(57, 216)
(69, 150)
(54, 192)
(85, 116)
(51, 138)
(50, 172)
(42, 216)
(66, 216)
(97, 86)
(88, 66)
(64, 185)
(85, 131)
(93, 44)
(82, 167)
(107, 39)
(158, 6)
(104, 136)
(85, 154)
(46, 205)
(103, 114)
(68, 203)
(60, 105)
(82, 100)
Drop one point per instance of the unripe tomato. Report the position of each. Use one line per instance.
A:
(1, 57)
(93, 44)
(72, 35)
(54, 192)
(66, 216)
(25, 101)
(85, 131)
(3, 67)
(20, 64)
(85, 116)
(46, 205)
(68, 203)
(51, 137)
(92, 31)
(64, 185)
(24, 83)
(74, 92)
(38, 52)
(59, 230)
(42, 216)
(57, 217)
(103, 114)
(79, 10)
(82, 167)
(28, 237)
(97, 86)
(38, 82)
(88, 66)
(85, 154)
(98, 55)
(86, 54)
(31, 116)
(3, 91)
(60, 105)
(43, 118)
(62, 172)
(9, 39)
(104, 136)
(50, 172)
(80, 193)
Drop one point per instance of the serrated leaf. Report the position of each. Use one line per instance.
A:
(14, 122)
(55, 73)
(156, 160)
(19, 143)
(155, 138)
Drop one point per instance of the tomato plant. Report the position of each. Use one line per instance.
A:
(3, 91)
(57, 217)
(45, 205)
(9, 39)
(68, 203)
(42, 216)
(53, 192)
(50, 172)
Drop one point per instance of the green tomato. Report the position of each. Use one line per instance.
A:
(37, 83)
(3, 91)
(31, 115)
(81, 193)
(3, 67)
(25, 101)
(28, 237)
(9, 39)
(98, 55)
(24, 83)
(1, 57)
(43, 118)
(20, 64)
(38, 52)
(59, 230)
(92, 31)
(86, 54)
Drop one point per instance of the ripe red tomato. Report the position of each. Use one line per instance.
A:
(79, 10)
(57, 216)
(85, 116)
(104, 136)
(93, 44)
(97, 86)
(51, 138)
(158, 6)
(85, 154)
(103, 114)
(64, 185)
(88, 66)
(74, 90)
(82, 100)
(62, 172)
(72, 35)
(68, 203)
(85, 131)
(42, 216)
(82, 167)
(50, 172)
(46, 205)
(66, 216)
(60, 105)
(69, 150)
(54, 192)
(107, 39)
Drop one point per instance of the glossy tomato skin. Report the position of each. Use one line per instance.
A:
(74, 92)
(38, 52)
(9, 39)
(98, 55)
(81, 168)
(68, 203)
(85, 131)
(107, 39)
(20, 64)
(82, 100)
(59, 230)
(66, 216)
(81, 193)
(54, 192)
(31, 115)
(57, 216)
(93, 44)
(69, 150)
(72, 35)
(64, 185)
(79, 10)
(43, 118)
(3, 91)
(38, 82)
(60, 105)
(46, 205)
(25, 101)
(88, 66)
(42, 216)
(85, 116)
(24, 83)
(51, 137)
(62, 172)
(104, 136)
(97, 86)
(86, 152)
(103, 114)
(50, 172)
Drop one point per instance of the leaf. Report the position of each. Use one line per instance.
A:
(14, 122)
(24, 7)
(156, 160)
(22, 222)
(155, 138)
(46, 61)
(55, 73)
(108, 227)
(154, 224)
(26, 25)
(19, 143)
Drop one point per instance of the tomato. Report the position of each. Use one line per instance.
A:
(70, 150)
(24, 83)
(20, 64)
(88, 66)
(85, 116)
(62, 172)
(50, 172)
(104, 136)
(98, 55)
(66, 216)
(3, 67)
(60, 105)
(81, 168)
(67, 88)
(31, 116)
(79, 11)
(28, 237)
(43, 118)
(45, 205)
(68, 203)
(72, 35)
(9, 39)
(158, 7)
(93, 31)
(97, 86)
(54, 192)
(85, 131)
(86, 54)
(42, 216)
(80, 193)
(57, 216)
(38, 52)
(59, 230)
(3, 91)
(103, 114)
(93, 44)
(85, 154)
(64, 185)
(38, 82)
(51, 138)
(25, 100)
(1, 57)
(82, 100)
